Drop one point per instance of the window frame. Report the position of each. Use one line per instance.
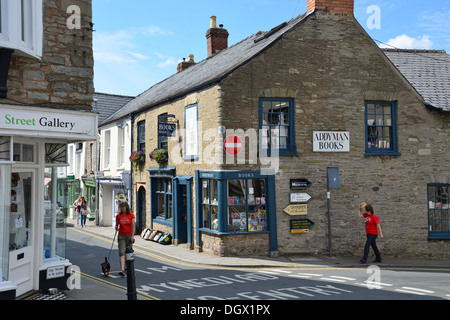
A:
(393, 149)
(291, 148)
(162, 139)
(121, 137)
(107, 149)
(432, 209)
(141, 136)
(27, 42)
(191, 156)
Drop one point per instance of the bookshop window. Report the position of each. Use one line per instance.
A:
(439, 211)
(381, 128)
(247, 205)
(210, 204)
(164, 198)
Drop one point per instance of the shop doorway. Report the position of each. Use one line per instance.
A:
(141, 210)
(183, 204)
(23, 204)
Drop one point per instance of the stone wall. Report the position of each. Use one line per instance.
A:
(64, 75)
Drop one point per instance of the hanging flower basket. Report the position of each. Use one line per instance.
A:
(136, 158)
(160, 156)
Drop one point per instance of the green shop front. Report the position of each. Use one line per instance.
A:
(33, 195)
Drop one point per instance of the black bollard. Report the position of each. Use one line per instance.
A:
(131, 278)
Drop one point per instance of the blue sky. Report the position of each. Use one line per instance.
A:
(138, 43)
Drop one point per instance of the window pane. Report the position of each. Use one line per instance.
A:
(236, 192)
(257, 220)
(161, 205)
(205, 191)
(206, 216)
(237, 218)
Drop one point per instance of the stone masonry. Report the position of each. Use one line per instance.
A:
(64, 75)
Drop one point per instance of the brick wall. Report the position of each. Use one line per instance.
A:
(64, 76)
(331, 6)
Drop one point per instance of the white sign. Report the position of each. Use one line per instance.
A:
(331, 141)
(300, 197)
(55, 272)
(47, 122)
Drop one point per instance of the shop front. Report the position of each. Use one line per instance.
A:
(33, 197)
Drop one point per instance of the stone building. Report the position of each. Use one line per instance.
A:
(261, 134)
(46, 99)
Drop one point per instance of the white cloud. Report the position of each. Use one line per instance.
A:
(138, 55)
(406, 42)
(168, 62)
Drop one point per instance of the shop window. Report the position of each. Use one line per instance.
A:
(5, 149)
(141, 136)
(210, 204)
(21, 26)
(276, 118)
(244, 205)
(439, 211)
(381, 128)
(21, 208)
(23, 152)
(5, 205)
(164, 198)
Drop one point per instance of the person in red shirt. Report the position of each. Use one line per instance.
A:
(126, 225)
(373, 229)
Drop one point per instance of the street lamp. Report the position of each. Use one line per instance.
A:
(131, 279)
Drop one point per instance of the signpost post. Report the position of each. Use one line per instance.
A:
(333, 182)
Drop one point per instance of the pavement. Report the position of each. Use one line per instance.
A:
(101, 289)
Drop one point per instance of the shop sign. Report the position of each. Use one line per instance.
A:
(166, 129)
(31, 121)
(297, 210)
(55, 272)
(301, 226)
(299, 197)
(331, 141)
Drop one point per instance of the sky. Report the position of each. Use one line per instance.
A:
(138, 43)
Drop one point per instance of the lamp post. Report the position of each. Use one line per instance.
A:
(131, 279)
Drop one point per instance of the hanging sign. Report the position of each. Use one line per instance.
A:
(331, 141)
(166, 129)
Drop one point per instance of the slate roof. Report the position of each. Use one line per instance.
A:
(208, 71)
(107, 104)
(428, 71)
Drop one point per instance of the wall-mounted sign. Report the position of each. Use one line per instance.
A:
(300, 184)
(301, 226)
(32, 121)
(297, 210)
(55, 272)
(331, 141)
(299, 197)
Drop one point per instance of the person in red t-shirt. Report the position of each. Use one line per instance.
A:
(126, 225)
(373, 229)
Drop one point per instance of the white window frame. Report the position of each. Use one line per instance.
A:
(121, 147)
(107, 153)
(12, 20)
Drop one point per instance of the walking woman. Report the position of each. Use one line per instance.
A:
(84, 212)
(373, 229)
(126, 225)
(77, 206)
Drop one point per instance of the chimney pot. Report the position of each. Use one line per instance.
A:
(213, 22)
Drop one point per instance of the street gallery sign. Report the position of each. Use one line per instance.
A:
(42, 122)
(331, 141)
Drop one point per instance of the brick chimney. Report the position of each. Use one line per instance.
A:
(217, 38)
(331, 6)
(186, 64)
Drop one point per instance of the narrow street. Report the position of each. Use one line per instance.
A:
(160, 277)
